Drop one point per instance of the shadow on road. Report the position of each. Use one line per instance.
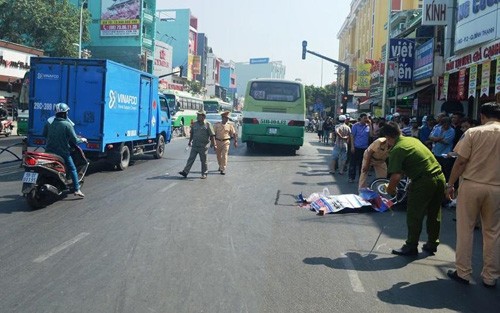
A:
(442, 294)
(13, 203)
(369, 262)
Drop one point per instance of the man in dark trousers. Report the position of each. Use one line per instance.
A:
(360, 139)
(410, 157)
(201, 134)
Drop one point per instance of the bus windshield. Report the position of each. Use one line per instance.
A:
(211, 106)
(171, 103)
(275, 91)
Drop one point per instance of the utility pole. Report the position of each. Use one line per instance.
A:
(345, 66)
(387, 51)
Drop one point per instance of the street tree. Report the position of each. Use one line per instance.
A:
(49, 25)
(328, 94)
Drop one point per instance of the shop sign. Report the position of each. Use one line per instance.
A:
(485, 52)
(162, 59)
(472, 81)
(485, 78)
(461, 83)
(434, 12)
(446, 80)
(364, 76)
(424, 58)
(403, 50)
(468, 32)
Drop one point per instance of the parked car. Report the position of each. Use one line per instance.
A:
(215, 117)
(236, 117)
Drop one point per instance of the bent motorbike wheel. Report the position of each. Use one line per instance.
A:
(34, 200)
(379, 186)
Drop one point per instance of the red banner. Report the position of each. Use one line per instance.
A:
(461, 84)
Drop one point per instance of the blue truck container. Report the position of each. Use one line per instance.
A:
(117, 108)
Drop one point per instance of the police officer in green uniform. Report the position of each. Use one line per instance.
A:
(201, 134)
(410, 157)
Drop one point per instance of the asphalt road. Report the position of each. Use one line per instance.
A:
(147, 240)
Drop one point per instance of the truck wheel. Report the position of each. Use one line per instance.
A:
(124, 158)
(160, 147)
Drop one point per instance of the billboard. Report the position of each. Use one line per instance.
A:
(162, 59)
(477, 22)
(403, 51)
(259, 61)
(120, 18)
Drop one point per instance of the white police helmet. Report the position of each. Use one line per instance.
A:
(61, 107)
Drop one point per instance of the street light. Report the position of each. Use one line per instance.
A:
(84, 4)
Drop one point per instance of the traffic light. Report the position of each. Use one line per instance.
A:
(344, 98)
(304, 49)
(181, 69)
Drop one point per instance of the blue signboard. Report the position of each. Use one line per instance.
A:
(424, 61)
(403, 50)
(259, 61)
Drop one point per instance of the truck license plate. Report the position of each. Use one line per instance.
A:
(30, 177)
(272, 131)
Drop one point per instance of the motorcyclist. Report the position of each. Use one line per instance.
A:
(3, 115)
(3, 112)
(60, 136)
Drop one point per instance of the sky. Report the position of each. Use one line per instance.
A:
(238, 30)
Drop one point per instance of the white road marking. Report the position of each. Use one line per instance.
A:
(356, 284)
(168, 187)
(61, 247)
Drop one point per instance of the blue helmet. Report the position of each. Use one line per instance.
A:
(61, 107)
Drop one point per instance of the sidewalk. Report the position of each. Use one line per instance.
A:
(11, 147)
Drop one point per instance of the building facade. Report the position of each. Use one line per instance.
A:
(362, 39)
(228, 81)
(257, 68)
(122, 31)
(181, 27)
(14, 65)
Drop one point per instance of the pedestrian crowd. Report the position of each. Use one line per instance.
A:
(444, 154)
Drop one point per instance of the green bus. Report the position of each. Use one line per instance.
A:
(274, 113)
(216, 105)
(183, 105)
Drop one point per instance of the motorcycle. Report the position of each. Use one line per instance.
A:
(6, 127)
(46, 178)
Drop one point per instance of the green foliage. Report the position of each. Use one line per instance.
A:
(193, 87)
(328, 94)
(50, 25)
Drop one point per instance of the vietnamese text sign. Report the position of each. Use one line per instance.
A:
(472, 81)
(485, 78)
(120, 18)
(477, 22)
(403, 50)
(461, 83)
(424, 58)
(434, 12)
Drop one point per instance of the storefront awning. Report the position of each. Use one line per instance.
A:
(411, 92)
(365, 105)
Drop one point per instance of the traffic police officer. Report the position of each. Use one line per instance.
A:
(224, 132)
(410, 157)
(200, 135)
(478, 196)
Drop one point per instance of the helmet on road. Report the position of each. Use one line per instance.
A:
(61, 107)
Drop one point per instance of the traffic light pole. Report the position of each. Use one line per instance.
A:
(181, 68)
(345, 66)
